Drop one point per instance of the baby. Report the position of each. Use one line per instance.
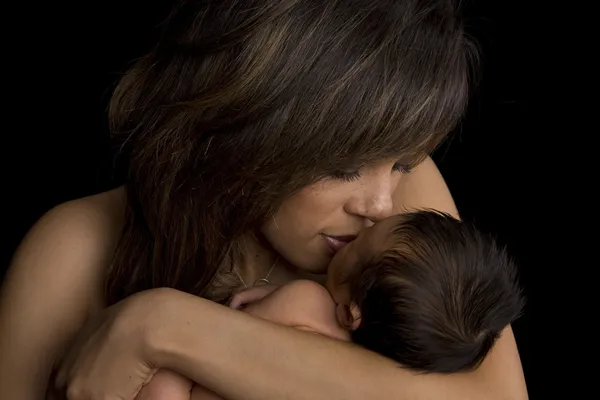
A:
(424, 289)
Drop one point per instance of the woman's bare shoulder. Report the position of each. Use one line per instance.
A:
(76, 238)
(55, 281)
(106, 210)
(424, 188)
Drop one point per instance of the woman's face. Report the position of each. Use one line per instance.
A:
(311, 226)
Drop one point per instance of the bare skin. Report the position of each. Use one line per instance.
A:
(54, 282)
(300, 297)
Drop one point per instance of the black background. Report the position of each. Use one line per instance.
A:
(63, 61)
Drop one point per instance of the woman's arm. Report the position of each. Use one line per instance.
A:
(242, 357)
(52, 285)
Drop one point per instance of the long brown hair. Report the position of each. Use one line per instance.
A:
(243, 103)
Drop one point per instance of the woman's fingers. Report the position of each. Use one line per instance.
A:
(251, 295)
(108, 360)
(64, 374)
(166, 385)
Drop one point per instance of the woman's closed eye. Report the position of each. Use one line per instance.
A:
(347, 176)
(350, 176)
(402, 168)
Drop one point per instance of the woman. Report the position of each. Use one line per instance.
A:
(261, 137)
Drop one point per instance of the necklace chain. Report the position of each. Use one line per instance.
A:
(264, 281)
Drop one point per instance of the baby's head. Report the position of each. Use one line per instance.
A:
(426, 290)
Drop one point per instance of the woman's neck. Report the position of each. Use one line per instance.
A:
(259, 260)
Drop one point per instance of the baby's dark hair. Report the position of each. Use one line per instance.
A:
(439, 297)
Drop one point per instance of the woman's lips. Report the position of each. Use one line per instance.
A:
(335, 243)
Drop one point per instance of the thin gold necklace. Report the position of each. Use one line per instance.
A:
(259, 281)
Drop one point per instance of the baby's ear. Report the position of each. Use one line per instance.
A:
(344, 316)
(355, 316)
(348, 316)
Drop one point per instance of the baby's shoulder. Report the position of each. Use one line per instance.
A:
(317, 302)
(307, 289)
(308, 295)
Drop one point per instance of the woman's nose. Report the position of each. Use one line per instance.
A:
(380, 206)
(374, 201)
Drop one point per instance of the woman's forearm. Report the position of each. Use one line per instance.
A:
(243, 357)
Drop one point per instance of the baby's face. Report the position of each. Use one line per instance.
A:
(369, 242)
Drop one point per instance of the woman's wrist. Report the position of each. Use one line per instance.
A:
(154, 318)
(173, 324)
(148, 318)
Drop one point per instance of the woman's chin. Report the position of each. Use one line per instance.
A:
(316, 268)
(309, 268)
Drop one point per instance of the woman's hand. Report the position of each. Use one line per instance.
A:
(251, 295)
(167, 385)
(110, 358)
(115, 353)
